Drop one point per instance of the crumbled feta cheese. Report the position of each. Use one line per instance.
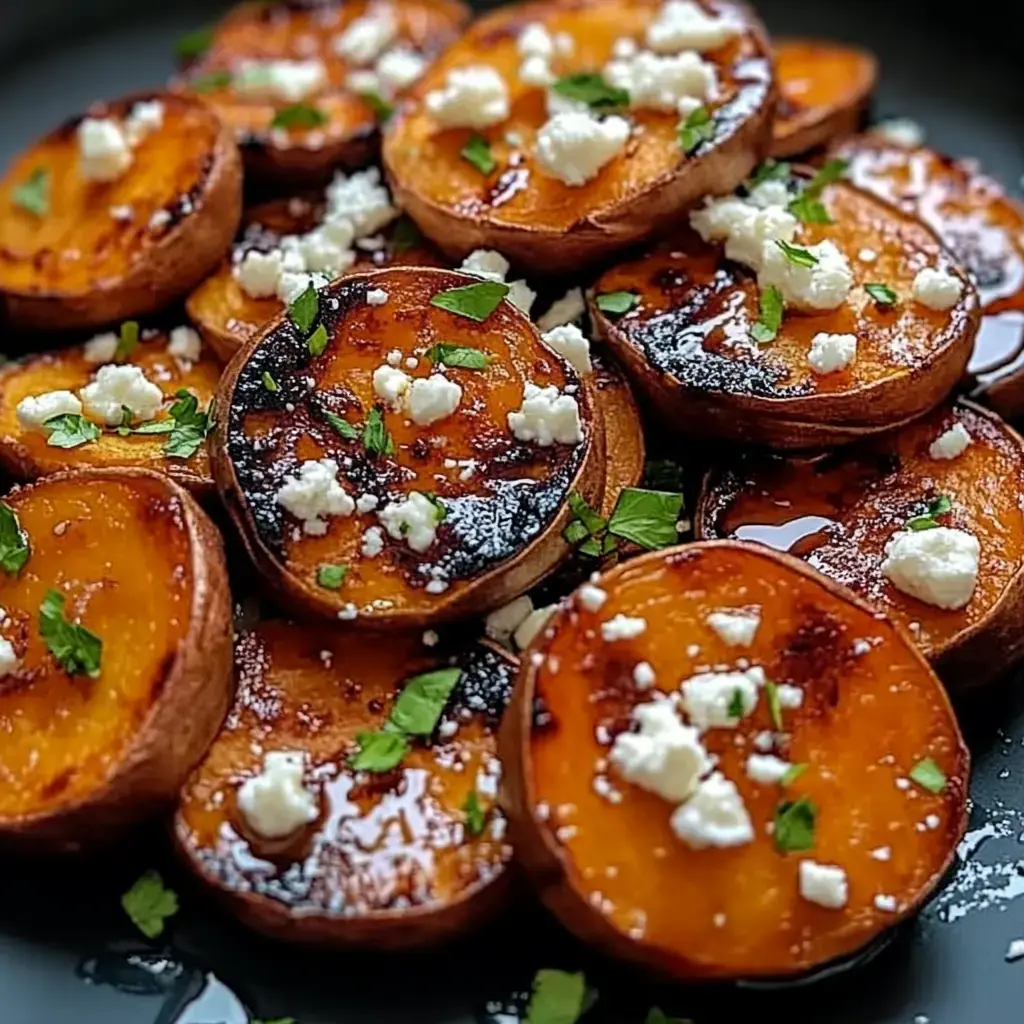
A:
(937, 289)
(902, 131)
(1015, 950)
(473, 97)
(275, 803)
(566, 310)
(574, 146)
(746, 230)
(831, 352)
(867, 255)
(766, 769)
(376, 296)
(366, 503)
(764, 741)
(790, 697)
(591, 598)
(950, 443)
(292, 285)
(367, 37)
(568, 341)
(104, 152)
(486, 263)
(397, 70)
(882, 853)
(661, 83)
(362, 200)
(259, 272)
(532, 625)
(101, 348)
(825, 285)
(373, 542)
(536, 71)
(504, 621)
(185, 345)
(34, 410)
(145, 117)
(624, 47)
(521, 295)
(390, 385)
(643, 675)
(8, 657)
(622, 627)
(714, 816)
(119, 387)
(938, 566)
(709, 698)
(663, 756)
(430, 638)
(685, 25)
(546, 417)
(432, 398)
(768, 194)
(823, 884)
(122, 212)
(537, 48)
(736, 627)
(285, 81)
(414, 520)
(314, 495)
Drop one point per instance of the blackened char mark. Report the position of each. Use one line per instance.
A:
(815, 653)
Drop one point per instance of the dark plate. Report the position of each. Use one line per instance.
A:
(67, 955)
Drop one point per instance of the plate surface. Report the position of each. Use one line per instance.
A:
(68, 956)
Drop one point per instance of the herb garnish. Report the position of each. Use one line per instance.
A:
(127, 340)
(591, 89)
(476, 819)
(211, 81)
(793, 772)
(14, 548)
(342, 427)
(474, 301)
(617, 302)
(477, 151)
(737, 707)
(882, 294)
(796, 255)
(149, 903)
(331, 577)
(657, 1016)
(76, 648)
(697, 128)
(190, 427)
(928, 775)
(69, 430)
(269, 383)
(379, 751)
(771, 692)
(299, 115)
(382, 109)
(376, 438)
(807, 206)
(647, 518)
(772, 306)
(459, 355)
(33, 194)
(317, 341)
(794, 825)
(194, 44)
(770, 170)
(926, 521)
(558, 998)
(304, 310)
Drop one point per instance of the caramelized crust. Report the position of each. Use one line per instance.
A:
(624, 447)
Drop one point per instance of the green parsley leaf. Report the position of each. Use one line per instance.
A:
(592, 522)
(647, 518)
(774, 707)
(14, 549)
(153, 427)
(807, 206)
(829, 173)
(772, 307)
(590, 88)
(269, 383)
(299, 115)
(190, 427)
(475, 301)
(794, 825)
(440, 509)
(317, 341)
(128, 340)
(698, 128)
(477, 151)
(882, 294)
(657, 1016)
(736, 707)
(663, 475)
(404, 235)
(276, 1020)
(770, 170)
(459, 355)
(211, 81)
(149, 903)
(476, 819)
(331, 577)
(796, 255)
(343, 427)
(617, 302)
(376, 438)
(382, 109)
(76, 648)
(379, 751)
(70, 430)
(419, 705)
(558, 998)
(928, 775)
(793, 772)
(33, 194)
(304, 310)
(936, 507)
(194, 44)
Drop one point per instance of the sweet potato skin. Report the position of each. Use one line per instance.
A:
(720, 881)
(624, 447)
(549, 226)
(79, 267)
(289, 698)
(138, 773)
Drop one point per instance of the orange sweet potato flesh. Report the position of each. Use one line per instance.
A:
(537, 219)
(624, 447)
(26, 454)
(824, 89)
(142, 567)
(615, 872)
(228, 317)
(390, 861)
(504, 514)
(273, 31)
(78, 266)
(687, 343)
(839, 511)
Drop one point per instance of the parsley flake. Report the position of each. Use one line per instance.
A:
(70, 430)
(342, 427)
(419, 705)
(474, 301)
(299, 115)
(78, 650)
(476, 818)
(317, 341)
(647, 518)
(793, 772)
(794, 825)
(770, 170)
(928, 775)
(772, 307)
(189, 429)
(617, 303)
(460, 355)
(477, 151)
(269, 383)
(696, 129)
(304, 310)
(737, 707)
(796, 255)
(194, 44)
(127, 340)
(211, 81)
(149, 903)
(558, 998)
(771, 692)
(33, 194)
(927, 521)
(331, 577)
(379, 751)
(376, 437)
(382, 109)
(14, 548)
(807, 206)
(882, 294)
(590, 88)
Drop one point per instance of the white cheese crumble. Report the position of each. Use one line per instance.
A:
(373, 542)
(747, 230)
(710, 698)
(119, 387)
(101, 348)
(532, 625)
(937, 289)
(414, 519)
(143, 119)
(622, 627)
(1015, 950)
(104, 151)
(882, 853)
(790, 697)
(662, 83)
(504, 621)
(397, 70)
(950, 443)
(537, 48)
(902, 131)
(766, 769)
(276, 803)
(314, 495)
(366, 503)
(643, 675)
(376, 296)
(34, 410)
(574, 146)
(823, 884)
(566, 310)
(284, 81)
(938, 566)
(8, 657)
(825, 285)
(591, 598)
(568, 341)
(685, 25)
(473, 97)
(259, 272)
(390, 385)
(185, 345)
(546, 417)
(365, 38)
(736, 627)
(714, 816)
(831, 352)
(432, 398)
(492, 266)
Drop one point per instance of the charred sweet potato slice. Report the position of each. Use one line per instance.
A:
(824, 90)
(227, 316)
(624, 448)
(300, 137)
(30, 451)
(77, 252)
(101, 732)
(839, 511)
(717, 884)
(394, 858)
(682, 320)
(499, 502)
(535, 218)
(982, 226)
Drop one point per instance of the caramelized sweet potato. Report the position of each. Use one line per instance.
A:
(838, 512)
(536, 219)
(81, 253)
(499, 502)
(228, 317)
(137, 563)
(624, 448)
(395, 859)
(687, 341)
(824, 90)
(27, 453)
(344, 133)
(625, 870)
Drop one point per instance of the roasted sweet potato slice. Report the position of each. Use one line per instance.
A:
(858, 807)
(399, 857)
(824, 90)
(80, 252)
(840, 511)
(624, 447)
(529, 214)
(115, 649)
(982, 226)
(30, 449)
(298, 121)
(684, 321)
(454, 516)
(228, 317)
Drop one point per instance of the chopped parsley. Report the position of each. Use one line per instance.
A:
(474, 301)
(927, 521)
(78, 650)
(317, 341)
(557, 998)
(299, 115)
(190, 427)
(70, 430)
(772, 307)
(646, 518)
(211, 81)
(194, 44)
(796, 255)
(590, 88)
(376, 437)
(343, 427)
(149, 903)
(476, 819)
(331, 577)
(737, 706)
(382, 109)
(379, 751)
(807, 206)
(696, 129)
(771, 692)
(882, 294)
(33, 194)
(928, 775)
(269, 383)
(460, 355)
(477, 151)
(617, 303)
(794, 825)
(304, 311)
(14, 548)
(793, 772)
(770, 170)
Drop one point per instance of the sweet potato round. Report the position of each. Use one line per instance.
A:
(612, 869)
(142, 566)
(838, 511)
(296, 156)
(687, 342)
(535, 219)
(78, 266)
(624, 446)
(824, 91)
(26, 455)
(502, 530)
(390, 862)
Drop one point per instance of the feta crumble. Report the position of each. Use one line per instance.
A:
(715, 815)
(365, 38)
(938, 566)
(902, 131)
(591, 598)
(745, 229)
(504, 621)
(766, 769)
(546, 417)
(532, 625)
(119, 387)
(314, 495)
(103, 150)
(8, 657)
(143, 119)
(574, 146)
(414, 519)
(823, 884)
(284, 81)
(376, 296)
(390, 385)
(685, 25)
(492, 266)
(622, 627)
(937, 289)
(432, 398)
(709, 698)
(831, 352)
(662, 83)
(790, 697)
(736, 627)
(823, 286)
(950, 443)
(185, 345)
(643, 675)
(101, 348)
(566, 310)
(397, 70)
(372, 543)
(568, 341)
(473, 97)
(34, 410)
(276, 803)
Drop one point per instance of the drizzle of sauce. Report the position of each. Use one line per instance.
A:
(798, 536)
